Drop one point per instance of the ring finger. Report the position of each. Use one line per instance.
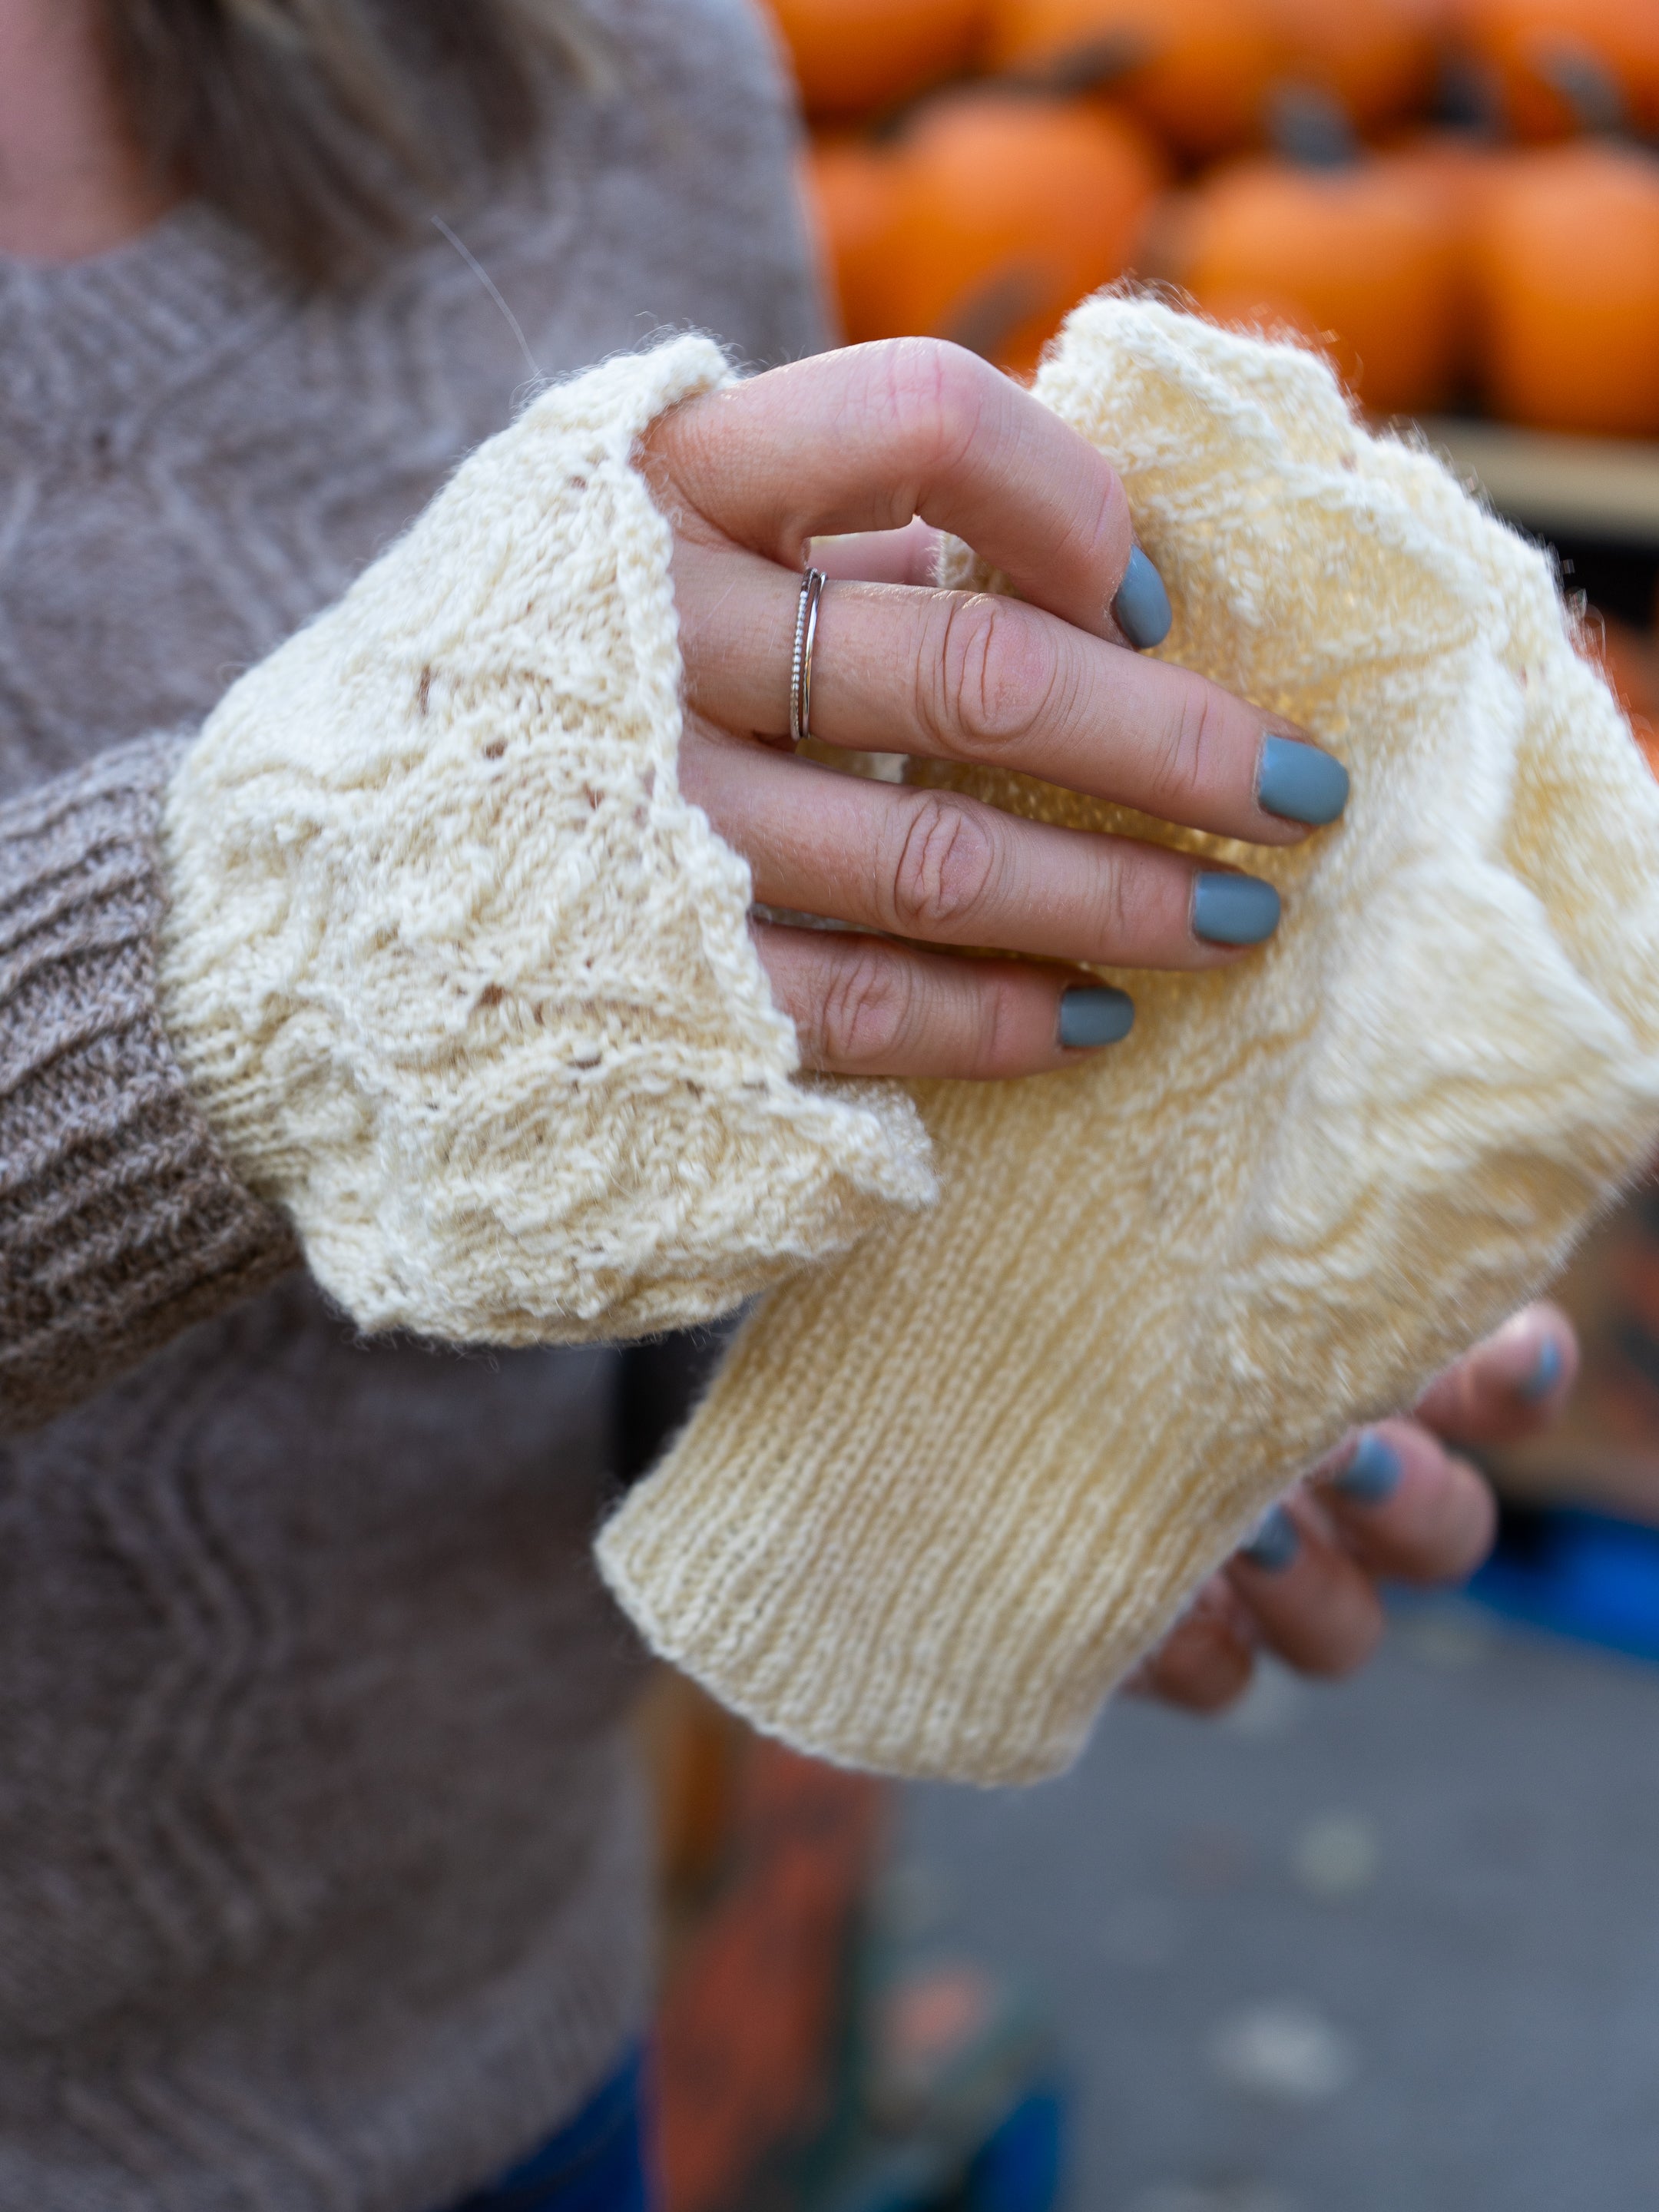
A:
(863, 1006)
(940, 867)
(1314, 1604)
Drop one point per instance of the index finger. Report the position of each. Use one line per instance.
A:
(870, 437)
(1510, 1386)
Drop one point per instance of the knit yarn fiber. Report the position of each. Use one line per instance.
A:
(949, 1488)
(463, 985)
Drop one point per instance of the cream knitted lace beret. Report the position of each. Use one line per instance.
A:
(948, 1488)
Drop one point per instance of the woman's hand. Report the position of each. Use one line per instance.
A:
(1394, 1503)
(864, 440)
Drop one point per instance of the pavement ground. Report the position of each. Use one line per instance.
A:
(1386, 1946)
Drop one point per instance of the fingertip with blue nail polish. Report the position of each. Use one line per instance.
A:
(1141, 609)
(1234, 909)
(1546, 1370)
(1373, 1474)
(1300, 783)
(1092, 1015)
(1273, 1544)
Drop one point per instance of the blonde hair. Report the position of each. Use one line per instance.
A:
(320, 125)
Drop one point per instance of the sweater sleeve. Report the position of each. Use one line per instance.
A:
(121, 1219)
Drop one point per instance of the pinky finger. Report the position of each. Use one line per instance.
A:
(1205, 1661)
(865, 1006)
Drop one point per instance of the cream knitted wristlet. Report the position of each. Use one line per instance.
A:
(948, 1489)
(462, 983)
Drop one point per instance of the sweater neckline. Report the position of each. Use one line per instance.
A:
(117, 324)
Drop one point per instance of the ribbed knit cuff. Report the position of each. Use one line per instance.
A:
(121, 1222)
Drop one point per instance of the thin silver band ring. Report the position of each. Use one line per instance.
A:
(801, 672)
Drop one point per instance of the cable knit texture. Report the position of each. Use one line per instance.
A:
(466, 985)
(947, 1491)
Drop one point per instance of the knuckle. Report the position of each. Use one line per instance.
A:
(866, 1011)
(945, 866)
(935, 398)
(1189, 756)
(993, 677)
(1111, 530)
(1123, 889)
(996, 1041)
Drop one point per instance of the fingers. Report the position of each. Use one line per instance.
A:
(862, 1007)
(1408, 1508)
(941, 867)
(1510, 1386)
(965, 676)
(1398, 1506)
(1312, 1604)
(869, 437)
(1205, 1661)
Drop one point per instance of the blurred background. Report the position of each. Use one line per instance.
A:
(1388, 1944)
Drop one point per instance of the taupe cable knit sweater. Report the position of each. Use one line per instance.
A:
(321, 1882)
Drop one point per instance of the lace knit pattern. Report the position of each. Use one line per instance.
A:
(321, 1884)
(464, 984)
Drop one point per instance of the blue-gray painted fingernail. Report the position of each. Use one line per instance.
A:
(1274, 1544)
(1142, 605)
(1374, 1471)
(1234, 909)
(1299, 783)
(1546, 1370)
(1094, 1014)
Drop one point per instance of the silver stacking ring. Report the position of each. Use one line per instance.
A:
(800, 673)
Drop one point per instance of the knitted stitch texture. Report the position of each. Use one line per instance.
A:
(464, 987)
(947, 1491)
(99, 1261)
(323, 1883)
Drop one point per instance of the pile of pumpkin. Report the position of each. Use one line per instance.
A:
(1459, 199)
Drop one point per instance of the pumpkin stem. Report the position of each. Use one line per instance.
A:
(1089, 66)
(1311, 127)
(994, 310)
(1588, 87)
(1467, 100)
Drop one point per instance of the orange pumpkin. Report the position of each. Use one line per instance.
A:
(1378, 58)
(1454, 171)
(1197, 70)
(853, 57)
(1566, 266)
(852, 194)
(1008, 210)
(1360, 260)
(1533, 50)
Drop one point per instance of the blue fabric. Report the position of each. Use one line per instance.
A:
(1020, 2169)
(596, 2163)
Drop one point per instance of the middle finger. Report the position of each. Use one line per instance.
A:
(942, 867)
(965, 676)
(1314, 1604)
